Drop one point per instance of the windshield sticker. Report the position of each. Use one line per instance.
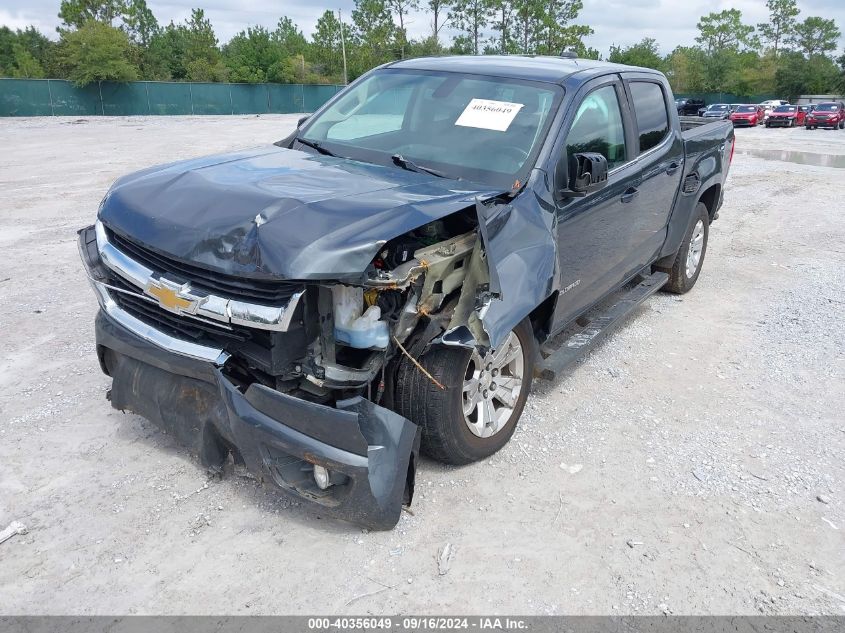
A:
(489, 115)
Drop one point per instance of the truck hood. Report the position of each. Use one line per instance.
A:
(274, 213)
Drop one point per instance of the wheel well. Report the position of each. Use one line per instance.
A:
(541, 318)
(710, 198)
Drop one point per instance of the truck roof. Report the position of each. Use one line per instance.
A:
(533, 67)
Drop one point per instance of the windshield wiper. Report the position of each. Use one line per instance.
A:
(315, 145)
(404, 163)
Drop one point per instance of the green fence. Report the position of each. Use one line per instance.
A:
(43, 97)
(726, 97)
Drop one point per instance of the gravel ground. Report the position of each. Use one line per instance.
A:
(693, 464)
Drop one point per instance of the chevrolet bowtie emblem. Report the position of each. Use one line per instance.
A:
(173, 296)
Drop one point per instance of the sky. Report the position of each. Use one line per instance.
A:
(620, 22)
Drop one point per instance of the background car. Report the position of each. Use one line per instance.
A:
(770, 105)
(830, 114)
(717, 111)
(689, 107)
(786, 116)
(747, 115)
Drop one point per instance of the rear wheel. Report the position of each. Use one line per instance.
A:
(690, 257)
(476, 414)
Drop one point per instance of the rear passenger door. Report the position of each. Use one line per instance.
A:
(659, 154)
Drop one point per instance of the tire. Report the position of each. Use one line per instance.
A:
(680, 281)
(767, 125)
(446, 433)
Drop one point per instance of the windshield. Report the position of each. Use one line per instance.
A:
(747, 109)
(483, 129)
(719, 106)
(827, 107)
(785, 109)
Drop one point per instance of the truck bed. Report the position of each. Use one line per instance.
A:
(694, 126)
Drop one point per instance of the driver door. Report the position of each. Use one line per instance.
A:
(593, 231)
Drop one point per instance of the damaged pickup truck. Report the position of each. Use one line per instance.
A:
(383, 281)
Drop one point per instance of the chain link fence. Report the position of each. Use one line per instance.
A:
(57, 97)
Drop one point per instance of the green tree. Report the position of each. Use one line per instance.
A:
(503, 20)
(816, 36)
(250, 54)
(8, 40)
(528, 17)
(25, 53)
(684, 68)
(166, 53)
(202, 57)
(374, 37)
(556, 34)
(781, 24)
(401, 8)
(326, 45)
(97, 52)
(645, 53)
(840, 85)
(799, 75)
(139, 22)
(290, 37)
(471, 18)
(426, 47)
(76, 13)
(439, 10)
(724, 31)
(24, 65)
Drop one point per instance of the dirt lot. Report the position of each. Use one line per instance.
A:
(692, 464)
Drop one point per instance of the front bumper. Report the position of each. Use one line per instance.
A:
(782, 122)
(744, 122)
(369, 451)
(822, 122)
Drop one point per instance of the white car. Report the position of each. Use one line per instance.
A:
(770, 105)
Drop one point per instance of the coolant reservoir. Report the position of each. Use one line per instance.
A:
(364, 331)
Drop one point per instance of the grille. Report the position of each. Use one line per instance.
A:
(228, 286)
(180, 326)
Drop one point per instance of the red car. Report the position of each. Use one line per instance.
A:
(750, 115)
(831, 114)
(786, 116)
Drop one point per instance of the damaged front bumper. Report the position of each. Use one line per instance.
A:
(368, 452)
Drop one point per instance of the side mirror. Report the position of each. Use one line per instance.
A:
(585, 172)
(302, 120)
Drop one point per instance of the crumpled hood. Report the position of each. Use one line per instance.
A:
(277, 213)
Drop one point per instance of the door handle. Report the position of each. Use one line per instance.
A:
(630, 194)
(672, 168)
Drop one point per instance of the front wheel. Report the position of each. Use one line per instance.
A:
(477, 412)
(688, 261)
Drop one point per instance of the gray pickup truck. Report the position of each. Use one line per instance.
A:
(392, 276)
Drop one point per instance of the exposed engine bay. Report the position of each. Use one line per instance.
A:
(346, 339)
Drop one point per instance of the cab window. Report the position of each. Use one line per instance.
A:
(597, 127)
(650, 110)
